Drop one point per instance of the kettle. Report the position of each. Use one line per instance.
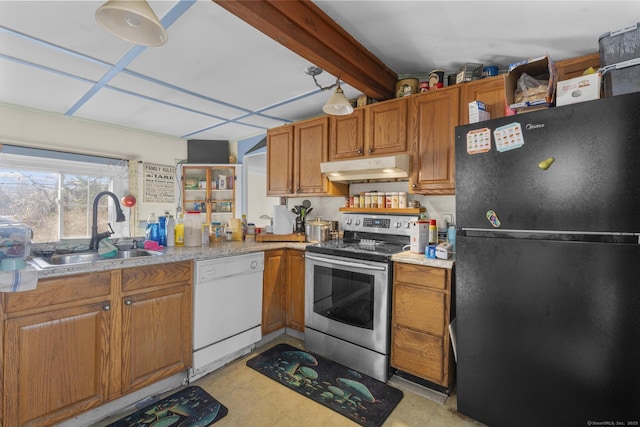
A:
(283, 220)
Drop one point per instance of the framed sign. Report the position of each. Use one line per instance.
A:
(159, 183)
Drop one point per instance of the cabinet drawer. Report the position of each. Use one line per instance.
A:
(418, 354)
(420, 275)
(419, 309)
(155, 275)
(60, 290)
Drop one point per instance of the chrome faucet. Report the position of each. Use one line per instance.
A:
(95, 236)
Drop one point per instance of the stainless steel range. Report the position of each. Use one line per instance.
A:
(348, 292)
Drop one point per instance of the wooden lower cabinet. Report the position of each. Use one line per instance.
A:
(273, 291)
(420, 342)
(157, 323)
(283, 290)
(56, 349)
(295, 289)
(77, 342)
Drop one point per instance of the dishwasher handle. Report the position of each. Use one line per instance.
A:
(346, 263)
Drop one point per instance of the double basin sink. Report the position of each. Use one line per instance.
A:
(75, 258)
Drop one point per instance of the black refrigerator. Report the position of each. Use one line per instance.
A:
(548, 266)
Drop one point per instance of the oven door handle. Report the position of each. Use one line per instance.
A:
(346, 263)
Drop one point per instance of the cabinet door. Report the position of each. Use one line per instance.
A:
(56, 364)
(273, 292)
(490, 91)
(156, 335)
(347, 135)
(386, 129)
(418, 354)
(295, 289)
(311, 147)
(280, 161)
(221, 202)
(195, 184)
(433, 118)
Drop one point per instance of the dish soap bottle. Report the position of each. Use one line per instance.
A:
(179, 232)
(153, 228)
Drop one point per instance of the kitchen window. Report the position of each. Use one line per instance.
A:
(53, 192)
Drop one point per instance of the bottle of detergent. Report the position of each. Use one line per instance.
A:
(179, 232)
(153, 228)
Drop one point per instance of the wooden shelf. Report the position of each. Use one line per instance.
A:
(403, 211)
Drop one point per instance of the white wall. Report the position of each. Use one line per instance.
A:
(327, 207)
(30, 128)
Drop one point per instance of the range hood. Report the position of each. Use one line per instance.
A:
(370, 168)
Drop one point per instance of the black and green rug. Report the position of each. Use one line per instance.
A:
(189, 407)
(358, 397)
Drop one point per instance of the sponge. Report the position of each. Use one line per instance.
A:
(106, 249)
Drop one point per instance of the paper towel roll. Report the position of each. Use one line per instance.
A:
(283, 220)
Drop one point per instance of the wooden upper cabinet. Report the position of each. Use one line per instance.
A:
(310, 148)
(385, 129)
(294, 154)
(347, 135)
(574, 67)
(433, 117)
(489, 90)
(280, 161)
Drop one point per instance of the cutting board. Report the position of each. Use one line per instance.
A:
(268, 237)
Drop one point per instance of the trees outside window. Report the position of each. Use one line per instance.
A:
(55, 196)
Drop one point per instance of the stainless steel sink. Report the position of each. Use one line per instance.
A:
(89, 257)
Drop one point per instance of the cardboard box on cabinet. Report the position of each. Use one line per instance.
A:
(539, 97)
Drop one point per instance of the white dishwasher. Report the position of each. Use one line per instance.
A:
(227, 310)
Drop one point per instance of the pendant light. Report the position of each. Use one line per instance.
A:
(338, 104)
(133, 21)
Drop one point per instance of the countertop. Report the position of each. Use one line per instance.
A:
(212, 250)
(172, 254)
(416, 258)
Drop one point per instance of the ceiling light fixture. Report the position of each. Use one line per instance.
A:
(338, 104)
(133, 21)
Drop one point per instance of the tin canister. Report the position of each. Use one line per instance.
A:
(436, 79)
(406, 87)
(423, 87)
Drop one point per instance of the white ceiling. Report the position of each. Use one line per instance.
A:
(219, 78)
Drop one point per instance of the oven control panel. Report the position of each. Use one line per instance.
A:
(385, 224)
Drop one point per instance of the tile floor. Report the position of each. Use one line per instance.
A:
(254, 400)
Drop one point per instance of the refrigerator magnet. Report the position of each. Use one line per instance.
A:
(479, 141)
(508, 137)
(544, 165)
(493, 218)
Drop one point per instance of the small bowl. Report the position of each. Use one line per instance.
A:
(10, 264)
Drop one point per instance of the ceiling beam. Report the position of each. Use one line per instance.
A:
(306, 30)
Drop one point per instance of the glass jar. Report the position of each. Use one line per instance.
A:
(395, 204)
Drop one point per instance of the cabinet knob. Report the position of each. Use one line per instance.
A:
(414, 185)
(128, 302)
(370, 150)
(106, 307)
(359, 151)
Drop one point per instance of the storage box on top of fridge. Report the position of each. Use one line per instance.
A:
(620, 60)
